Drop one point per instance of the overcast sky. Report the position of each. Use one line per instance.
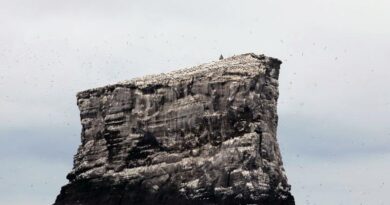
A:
(334, 105)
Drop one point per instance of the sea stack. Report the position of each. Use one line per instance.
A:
(202, 135)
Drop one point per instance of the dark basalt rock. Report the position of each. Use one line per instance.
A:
(204, 135)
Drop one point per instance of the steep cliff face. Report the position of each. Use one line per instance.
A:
(204, 135)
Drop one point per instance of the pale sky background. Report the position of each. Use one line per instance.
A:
(334, 105)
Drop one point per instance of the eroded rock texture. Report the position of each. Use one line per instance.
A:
(204, 135)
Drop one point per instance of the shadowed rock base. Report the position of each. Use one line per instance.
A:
(204, 135)
(105, 193)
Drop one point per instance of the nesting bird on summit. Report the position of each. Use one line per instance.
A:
(221, 57)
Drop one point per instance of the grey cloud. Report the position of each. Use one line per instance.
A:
(47, 144)
(328, 140)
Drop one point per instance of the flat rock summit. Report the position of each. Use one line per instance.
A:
(202, 135)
